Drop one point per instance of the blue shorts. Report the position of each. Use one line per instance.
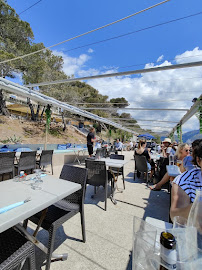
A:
(148, 166)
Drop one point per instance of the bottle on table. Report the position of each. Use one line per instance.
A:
(168, 251)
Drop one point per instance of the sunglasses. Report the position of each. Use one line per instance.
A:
(187, 150)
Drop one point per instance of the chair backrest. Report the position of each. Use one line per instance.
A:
(7, 162)
(140, 163)
(97, 173)
(46, 157)
(76, 175)
(114, 156)
(27, 160)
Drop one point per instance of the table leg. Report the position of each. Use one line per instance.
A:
(115, 179)
(77, 157)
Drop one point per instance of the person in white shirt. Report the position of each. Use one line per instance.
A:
(118, 145)
(167, 148)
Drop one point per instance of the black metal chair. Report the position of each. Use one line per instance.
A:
(121, 170)
(141, 166)
(46, 159)
(7, 163)
(27, 161)
(98, 176)
(63, 210)
(14, 250)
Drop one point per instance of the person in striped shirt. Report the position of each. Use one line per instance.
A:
(185, 185)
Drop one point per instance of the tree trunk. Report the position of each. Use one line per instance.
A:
(64, 122)
(3, 108)
(33, 118)
(37, 112)
(42, 113)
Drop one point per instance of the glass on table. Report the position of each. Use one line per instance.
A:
(17, 178)
(36, 185)
(38, 173)
(179, 222)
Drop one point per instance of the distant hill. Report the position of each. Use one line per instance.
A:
(189, 136)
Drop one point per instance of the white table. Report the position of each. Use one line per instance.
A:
(77, 152)
(53, 190)
(114, 163)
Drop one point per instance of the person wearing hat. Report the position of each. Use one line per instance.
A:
(166, 147)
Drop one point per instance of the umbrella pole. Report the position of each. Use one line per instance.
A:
(46, 138)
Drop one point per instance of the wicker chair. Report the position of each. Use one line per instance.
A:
(98, 176)
(27, 161)
(7, 163)
(14, 250)
(46, 159)
(121, 170)
(63, 210)
(141, 166)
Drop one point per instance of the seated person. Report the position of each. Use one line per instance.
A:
(181, 153)
(185, 186)
(166, 148)
(142, 151)
(118, 145)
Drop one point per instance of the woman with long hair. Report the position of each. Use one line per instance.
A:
(181, 153)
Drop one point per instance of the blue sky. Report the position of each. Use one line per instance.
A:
(54, 21)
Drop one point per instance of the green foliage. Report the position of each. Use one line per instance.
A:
(119, 100)
(13, 139)
(15, 39)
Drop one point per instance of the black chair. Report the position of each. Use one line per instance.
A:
(14, 250)
(27, 161)
(121, 170)
(141, 166)
(46, 159)
(98, 176)
(7, 163)
(63, 210)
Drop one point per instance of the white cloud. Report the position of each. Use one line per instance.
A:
(73, 65)
(90, 50)
(160, 58)
(181, 85)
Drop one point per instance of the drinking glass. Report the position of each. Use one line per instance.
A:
(38, 175)
(179, 222)
(36, 185)
(17, 179)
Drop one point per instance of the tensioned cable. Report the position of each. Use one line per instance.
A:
(86, 33)
(136, 31)
(30, 7)
(179, 79)
(123, 73)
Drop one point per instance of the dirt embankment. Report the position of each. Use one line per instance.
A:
(24, 131)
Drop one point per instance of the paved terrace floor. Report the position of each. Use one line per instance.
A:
(109, 233)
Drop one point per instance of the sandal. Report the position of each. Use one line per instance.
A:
(155, 189)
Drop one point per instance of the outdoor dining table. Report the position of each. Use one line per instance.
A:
(11, 192)
(114, 163)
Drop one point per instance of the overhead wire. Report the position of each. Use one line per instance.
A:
(30, 7)
(86, 33)
(136, 31)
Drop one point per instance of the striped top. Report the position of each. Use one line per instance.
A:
(189, 181)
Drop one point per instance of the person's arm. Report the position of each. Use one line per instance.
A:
(180, 202)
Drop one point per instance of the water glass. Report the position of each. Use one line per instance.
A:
(179, 222)
(17, 179)
(36, 185)
(38, 175)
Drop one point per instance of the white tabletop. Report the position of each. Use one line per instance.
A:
(118, 163)
(53, 190)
